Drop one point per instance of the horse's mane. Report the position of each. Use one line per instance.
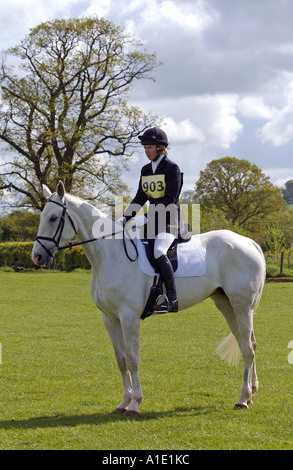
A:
(82, 202)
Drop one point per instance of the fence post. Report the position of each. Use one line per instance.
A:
(281, 265)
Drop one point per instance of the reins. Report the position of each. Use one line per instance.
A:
(78, 243)
(58, 234)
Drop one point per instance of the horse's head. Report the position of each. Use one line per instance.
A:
(56, 226)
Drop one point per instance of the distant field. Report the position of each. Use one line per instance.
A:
(59, 383)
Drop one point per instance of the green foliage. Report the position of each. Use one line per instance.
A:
(74, 258)
(286, 225)
(241, 191)
(19, 226)
(60, 383)
(18, 256)
(274, 239)
(215, 219)
(278, 235)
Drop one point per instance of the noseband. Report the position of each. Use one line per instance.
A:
(58, 234)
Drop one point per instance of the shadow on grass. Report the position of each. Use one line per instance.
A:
(98, 418)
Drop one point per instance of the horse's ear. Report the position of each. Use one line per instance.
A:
(46, 191)
(60, 190)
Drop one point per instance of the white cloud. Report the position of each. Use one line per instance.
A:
(279, 176)
(225, 126)
(208, 120)
(98, 7)
(18, 16)
(183, 131)
(255, 108)
(279, 130)
(216, 116)
(189, 15)
(281, 181)
(155, 17)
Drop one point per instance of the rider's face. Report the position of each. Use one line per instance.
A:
(150, 151)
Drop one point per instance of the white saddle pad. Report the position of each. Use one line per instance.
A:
(191, 259)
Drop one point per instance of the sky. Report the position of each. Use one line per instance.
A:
(226, 84)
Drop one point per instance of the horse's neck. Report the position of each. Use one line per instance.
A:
(92, 223)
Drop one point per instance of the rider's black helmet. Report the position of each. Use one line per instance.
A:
(154, 136)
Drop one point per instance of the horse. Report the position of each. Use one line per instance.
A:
(234, 279)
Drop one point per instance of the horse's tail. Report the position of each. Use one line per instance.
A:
(229, 350)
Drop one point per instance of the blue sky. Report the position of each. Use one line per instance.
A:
(226, 86)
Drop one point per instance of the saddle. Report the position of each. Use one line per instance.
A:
(157, 287)
(172, 252)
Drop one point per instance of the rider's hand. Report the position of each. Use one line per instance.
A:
(122, 221)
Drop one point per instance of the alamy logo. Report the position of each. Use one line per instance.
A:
(158, 216)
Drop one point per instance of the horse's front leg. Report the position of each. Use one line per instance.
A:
(114, 330)
(130, 323)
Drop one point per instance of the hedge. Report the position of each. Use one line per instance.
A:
(17, 255)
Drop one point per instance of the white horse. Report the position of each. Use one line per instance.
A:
(234, 279)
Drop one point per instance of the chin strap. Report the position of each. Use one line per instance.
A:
(158, 154)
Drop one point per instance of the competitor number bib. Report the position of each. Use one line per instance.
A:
(154, 185)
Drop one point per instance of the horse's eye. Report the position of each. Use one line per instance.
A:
(53, 218)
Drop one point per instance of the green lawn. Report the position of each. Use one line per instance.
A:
(59, 383)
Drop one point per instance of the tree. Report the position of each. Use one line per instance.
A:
(19, 226)
(214, 219)
(64, 113)
(288, 192)
(240, 190)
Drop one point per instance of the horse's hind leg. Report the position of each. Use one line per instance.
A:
(254, 376)
(241, 327)
(247, 348)
(222, 302)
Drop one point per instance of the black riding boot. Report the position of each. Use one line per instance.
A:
(170, 304)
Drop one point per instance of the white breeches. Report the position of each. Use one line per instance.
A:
(163, 241)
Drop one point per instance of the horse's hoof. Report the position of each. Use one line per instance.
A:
(132, 413)
(120, 410)
(240, 406)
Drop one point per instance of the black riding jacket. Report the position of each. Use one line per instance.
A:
(162, 190)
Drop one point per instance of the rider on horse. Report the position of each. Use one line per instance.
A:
(160, 184)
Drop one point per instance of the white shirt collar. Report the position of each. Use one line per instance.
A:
(156, 163)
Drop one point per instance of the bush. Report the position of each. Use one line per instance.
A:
(14, 254)
(19, 226)
(75, 258)
(17, 255)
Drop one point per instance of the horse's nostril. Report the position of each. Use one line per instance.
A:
(39, 259)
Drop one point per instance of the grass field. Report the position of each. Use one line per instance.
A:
(59, 383)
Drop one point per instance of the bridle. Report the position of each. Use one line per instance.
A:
(58, 234)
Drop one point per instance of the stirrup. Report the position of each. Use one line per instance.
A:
(163, 307)
(166, 306)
